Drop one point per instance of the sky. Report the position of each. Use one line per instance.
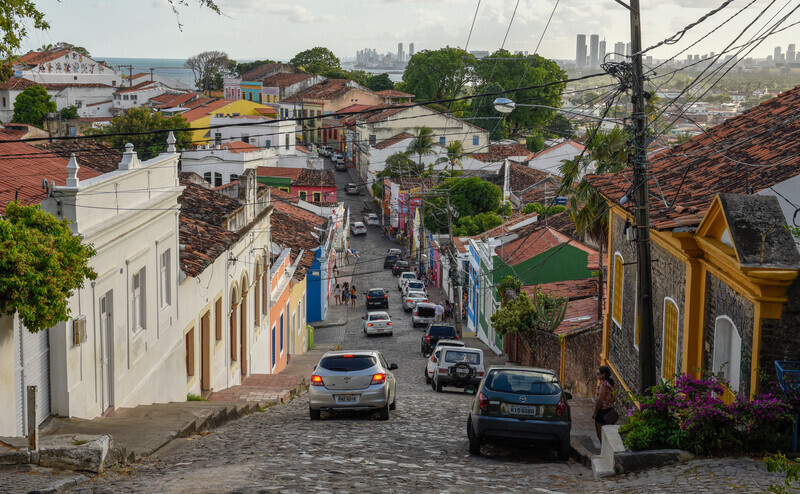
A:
(259, 29)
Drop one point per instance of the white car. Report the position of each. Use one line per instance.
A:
(358, 228)
(459, 367)
(414, 286)
(325, 150)
(431, 366)
(377, 323)
(372, 219)
(405, 276)
(411, 299)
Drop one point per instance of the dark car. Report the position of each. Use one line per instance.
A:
(388, 261)
(399, 267)
(522, 404)
(437, 331)
(377, 297)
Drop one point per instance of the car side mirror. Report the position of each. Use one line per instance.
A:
(392, 366)
(567, 395)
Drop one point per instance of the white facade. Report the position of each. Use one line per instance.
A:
(77, 96)
(67, 67)
(220, 166)
(549, 160)
(132, 353)
(263, 132)
(126, 98)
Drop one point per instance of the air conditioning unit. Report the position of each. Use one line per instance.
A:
(79, 330)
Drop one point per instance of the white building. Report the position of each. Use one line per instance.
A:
(262, 132)
(138, 95)
(549, 160)
(64, 66)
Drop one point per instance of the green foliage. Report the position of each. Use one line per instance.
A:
(209, 68)
(5, 71)
(780, 464)
(561, 126)
(69, 112)
(468, 197)
(437, 74)
(486, 117)
(506, 209)
(141, 119)
(422, 144)
(377, 189)
(717, 98)
(534, 143)
(509, 283)
(455, 155)
(16, 17)
(359, 76)
(316, 60)
(194, 397)
(63, 44)
(380, 82)
(400, 165)
(41, 263)
(32, 105)
(542, 311)
(466, 226)
(539, 209)
(245, 67)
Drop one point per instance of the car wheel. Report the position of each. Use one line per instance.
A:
(438, 386)
(384, 412)
(427, 379)
(314, 414)
(393, 406)
(564, 449)
(474, 441)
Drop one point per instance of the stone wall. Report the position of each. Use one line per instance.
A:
(779, 337)
(669, 280)
(622, 352)
(722, 300)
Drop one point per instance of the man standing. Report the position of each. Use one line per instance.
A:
(439, 312)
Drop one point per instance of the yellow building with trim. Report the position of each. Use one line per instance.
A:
(200, 117)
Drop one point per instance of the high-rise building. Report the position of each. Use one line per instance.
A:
(778, 58)
(400, 55)
(580, 51)
(619, 51)
(594, 45)
(791, 54)
(410, 50)
(601, 52)
(627, 49)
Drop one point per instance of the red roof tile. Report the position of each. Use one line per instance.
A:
(261, 71)
(328, 89)
(17, 84)
(204, 110)
(745, 154)
(279, 171)
(170, 100)
(499, 152)
(90, 153)
(391, 93)
(582, 305)
(239, 147)
(284, 80)
(37, 57)
(393, 140)
(136, 87)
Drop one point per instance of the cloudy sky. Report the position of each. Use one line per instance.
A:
(255, 29)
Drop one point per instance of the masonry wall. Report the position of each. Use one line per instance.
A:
(623, 353)
(722, 300)
(669, 280)
(779, 337)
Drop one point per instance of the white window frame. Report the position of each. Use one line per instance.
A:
(165, 278)
(139, 300)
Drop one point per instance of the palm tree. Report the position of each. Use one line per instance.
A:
(422, 144)
(607, 153)
(455, 153)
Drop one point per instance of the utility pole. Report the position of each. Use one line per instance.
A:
(647, 370)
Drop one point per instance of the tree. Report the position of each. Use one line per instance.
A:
(400, 165)
(69, 112)
(468, 226)
(380, 82)
(513, 71)
(437, 74)
(5, 72)
(17, 16)
(244, 67)
(32, 105)
(316, 60)
(541, 311)
(141, 119)
(455, 153)
(41, 264)
(422, 144)
(468, 197)
(209, 67)
(486, 117)
(63, 44)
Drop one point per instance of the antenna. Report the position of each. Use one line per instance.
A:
(46, 187)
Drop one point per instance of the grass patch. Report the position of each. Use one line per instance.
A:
(194, 397)
(79, 443)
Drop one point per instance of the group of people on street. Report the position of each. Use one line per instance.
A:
(345, 294)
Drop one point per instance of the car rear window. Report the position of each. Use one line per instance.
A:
(416, 285)
(347, 364)
(376, 293)
(379, 316)
(401, 264)
(426, 311)
(524, 382)
(457, 356)
(442, 331)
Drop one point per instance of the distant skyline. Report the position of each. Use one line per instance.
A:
(258, 29)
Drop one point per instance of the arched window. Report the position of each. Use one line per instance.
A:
(619, 279)
(727, 352)
(669, 349)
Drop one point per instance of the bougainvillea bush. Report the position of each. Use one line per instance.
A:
(689, 414)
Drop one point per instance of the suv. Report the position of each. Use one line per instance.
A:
(459, 367)
(405, 276)
(377, 297)
(435, 332)
(351, 188)
(388, 261)
(340, 166)
(431, 363)
(399, 267)
(325, 150)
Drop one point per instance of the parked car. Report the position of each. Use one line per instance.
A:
(399, 252)
(337, 158)
(459, 367)
(377, 297)
(377, 323)
(431, 362)
(437, 331)
(405, 276)
(522, 403)
(340, 166)
(325, 150)
(358, 228)
(352, 380)
(423, 314)
(388, 261)
(414, 285)
(400, 267)
(351, 188)
(411, 299)
(372, 219)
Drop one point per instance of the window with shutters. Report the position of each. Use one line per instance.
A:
(218, 319)
(189, 343)
(138, 301)
(669, 358)
(165, 277)
(619, 278)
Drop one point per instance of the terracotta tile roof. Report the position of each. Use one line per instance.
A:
(393, 140)
(37, 57)
(267, 111)
(382, 112)
(461, 244)
(406, 183)
(521, 177)
(505, 228)
(90, 153)
(17, 84)
(755, 150)
(499, 152)
(260, 72)
(239, 147)
(204, 110)
(169, 100)
(284, 80)
(354, 108)
(139, 74)
(301, 148)
(24, 166)
(204, 204)
(582, 305)
(571, 289)
(279, 171)
(52, 86)
(100, 103)
(391, 93)
(278, 195)
(319, 178)
(328, 89)
(292, 227)
(136, 87)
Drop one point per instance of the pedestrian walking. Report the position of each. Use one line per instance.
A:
(448, 311)
(438, 311)
(337, 294)
(346, 294)
(353, 296)
(604, 413)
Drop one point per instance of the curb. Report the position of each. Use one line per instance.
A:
(323, 324)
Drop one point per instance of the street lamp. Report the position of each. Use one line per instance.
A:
(505, 105)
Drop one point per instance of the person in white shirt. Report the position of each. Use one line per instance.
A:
(439, 312)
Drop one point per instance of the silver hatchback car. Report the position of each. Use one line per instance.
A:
(352, 380)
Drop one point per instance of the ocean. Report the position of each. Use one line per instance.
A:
(165, 67)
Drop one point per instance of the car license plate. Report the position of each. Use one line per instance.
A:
(346, 398)
(522, 410)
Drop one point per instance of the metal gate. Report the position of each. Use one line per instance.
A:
(32, 368)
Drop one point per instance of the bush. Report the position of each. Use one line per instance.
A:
(377, 190)
(689, 414)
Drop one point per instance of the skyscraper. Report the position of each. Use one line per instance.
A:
(627, 49)
(778, 58)
(601, 54)
(619, 51)
(400, 55)
(580, 52)
(594, 45)
(790, 54)
(410, 50)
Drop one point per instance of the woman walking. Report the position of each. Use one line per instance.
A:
(353, 295)
(346, 294)
(604, 413)
(337, 295)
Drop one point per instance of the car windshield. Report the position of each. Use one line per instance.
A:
(378, 316)
(350, 363)
(391, 257)
(524, 382)
(458, 356)
(376, 293)
(440, 331)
